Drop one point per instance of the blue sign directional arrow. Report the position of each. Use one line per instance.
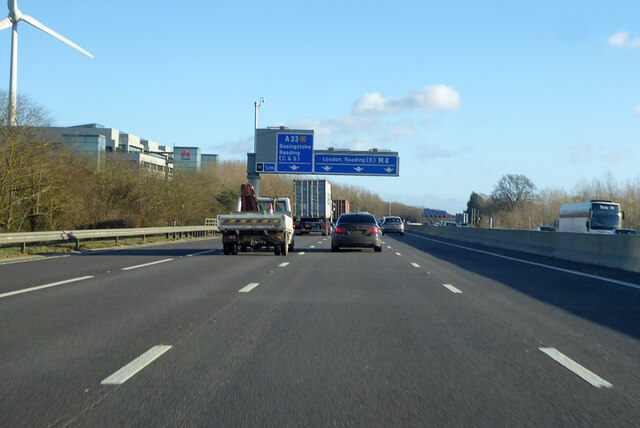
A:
(356, 164)
(294, 153)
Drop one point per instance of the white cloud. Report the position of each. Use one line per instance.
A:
(615, 157)
(429, 99)
(361, 143)
(374, 120)
(636, 111)
(370, 103)
(621, 40)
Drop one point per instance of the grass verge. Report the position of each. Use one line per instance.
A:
(70, 247)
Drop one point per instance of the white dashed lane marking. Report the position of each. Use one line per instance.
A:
(284, 264)
(398, 254)
(301, 253)
(40, 287)
(201, 252)
(452, 288)
(147, 264)
(128, 371)
(416, 265)
(576, 368)
(248, 287)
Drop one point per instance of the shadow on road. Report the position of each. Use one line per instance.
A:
(611, 305)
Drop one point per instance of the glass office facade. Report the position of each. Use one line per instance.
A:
(187, 158)
(88, 144)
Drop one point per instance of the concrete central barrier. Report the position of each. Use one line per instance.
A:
(614, 251)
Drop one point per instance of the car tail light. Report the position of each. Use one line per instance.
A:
(374, 229)
(340, 229)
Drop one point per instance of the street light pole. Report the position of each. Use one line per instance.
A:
(253, 176)
(257, 105)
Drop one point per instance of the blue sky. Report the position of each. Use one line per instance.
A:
(465, 91)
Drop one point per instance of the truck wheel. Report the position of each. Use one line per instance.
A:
(226, 250)
(284, 250)
(377, 249)
(335, 249)
(234, 250)
(276, 250)
(291, 246)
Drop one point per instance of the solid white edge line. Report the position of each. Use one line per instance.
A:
(128, 371)
(33, 259)
(284, 264)
(201, 252)
(40, 287)
(573, 272)
(147, 264)
(248, 287)
(452, 288)
(416, 265)
(398, 254)
(576, 368)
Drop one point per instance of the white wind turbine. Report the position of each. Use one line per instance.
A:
(15, 16)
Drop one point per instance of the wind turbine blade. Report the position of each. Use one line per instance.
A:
(5, 23)
(49, 31)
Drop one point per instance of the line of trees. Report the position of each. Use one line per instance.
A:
(44, 186)
(515, 202)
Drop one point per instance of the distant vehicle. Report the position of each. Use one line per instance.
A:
(624, 232)
(594, 216)
(313, 210)
(340, 206)
(450, 223)
(393, 225)
(356, 230)
(546, 229)
(463, 225)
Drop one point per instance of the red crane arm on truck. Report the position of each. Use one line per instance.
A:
(248, 198)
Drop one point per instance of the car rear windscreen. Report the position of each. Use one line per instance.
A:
(356, 218)
(392, 220)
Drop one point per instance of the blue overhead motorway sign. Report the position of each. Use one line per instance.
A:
(294, 153)
(363, 163)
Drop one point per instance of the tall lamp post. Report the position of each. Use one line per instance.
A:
(254, 176)
(257, 105)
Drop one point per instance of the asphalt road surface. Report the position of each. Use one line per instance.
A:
(427, 333)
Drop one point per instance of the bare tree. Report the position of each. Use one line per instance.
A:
(513, 190)
(24, 176)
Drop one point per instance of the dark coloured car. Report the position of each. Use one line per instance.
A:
(359, 230)
(393, 225)
(546, 229)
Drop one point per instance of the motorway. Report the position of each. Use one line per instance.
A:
(427, 333)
